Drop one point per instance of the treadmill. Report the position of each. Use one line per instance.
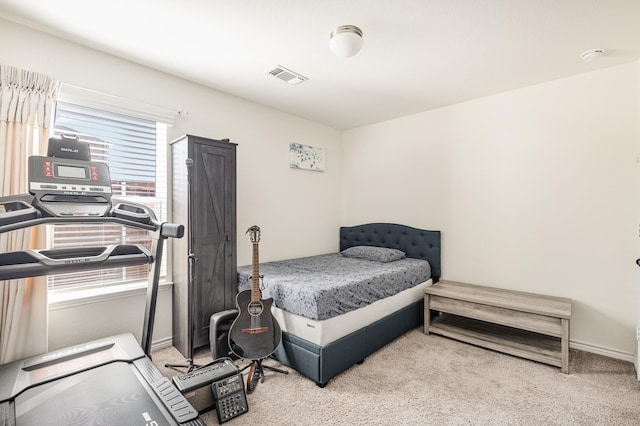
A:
(109, 381)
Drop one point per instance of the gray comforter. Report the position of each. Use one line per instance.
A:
(324, 286)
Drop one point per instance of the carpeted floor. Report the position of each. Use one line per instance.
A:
(424, 380)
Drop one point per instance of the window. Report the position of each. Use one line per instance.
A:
(135, 150)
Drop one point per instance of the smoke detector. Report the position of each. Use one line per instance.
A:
(286, 75)
(592, 54)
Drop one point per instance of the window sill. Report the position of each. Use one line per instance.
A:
(67, 299)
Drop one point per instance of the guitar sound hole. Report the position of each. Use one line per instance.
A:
(255, 308)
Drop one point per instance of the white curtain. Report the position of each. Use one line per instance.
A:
(27, 105)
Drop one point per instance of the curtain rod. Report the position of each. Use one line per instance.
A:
(113, 103)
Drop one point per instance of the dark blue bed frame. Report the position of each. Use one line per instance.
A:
(321, 363)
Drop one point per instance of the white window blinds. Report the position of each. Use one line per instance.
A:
(135, 150)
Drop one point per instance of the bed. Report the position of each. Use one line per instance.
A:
(333, 317)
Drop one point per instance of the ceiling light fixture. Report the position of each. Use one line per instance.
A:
(592, 54)
(346, 40)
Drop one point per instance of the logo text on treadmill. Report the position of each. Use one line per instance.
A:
(148, 421)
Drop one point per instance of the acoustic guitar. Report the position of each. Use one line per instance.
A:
(255, 334)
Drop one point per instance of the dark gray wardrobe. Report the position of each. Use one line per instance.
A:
(204, 200)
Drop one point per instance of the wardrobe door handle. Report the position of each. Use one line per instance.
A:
(638, 262)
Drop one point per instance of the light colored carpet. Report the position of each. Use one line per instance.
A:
(424, 380)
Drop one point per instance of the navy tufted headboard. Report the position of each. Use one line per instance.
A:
(416, 243)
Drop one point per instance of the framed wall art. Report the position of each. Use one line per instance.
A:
(306, 157)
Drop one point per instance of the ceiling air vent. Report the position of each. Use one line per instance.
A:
(287, 75)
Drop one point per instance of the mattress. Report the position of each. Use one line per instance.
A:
(326, 286)
(323, 332)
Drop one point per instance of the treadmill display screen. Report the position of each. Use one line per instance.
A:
(72, 172)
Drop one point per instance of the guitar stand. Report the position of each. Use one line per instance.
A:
(190, 366)
(256, 373)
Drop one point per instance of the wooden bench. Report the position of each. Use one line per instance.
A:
(527, 325)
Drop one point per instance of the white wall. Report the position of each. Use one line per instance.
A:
(535, 190)
(298, 211)
(79, 321)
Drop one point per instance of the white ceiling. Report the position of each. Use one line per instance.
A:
(417, 54)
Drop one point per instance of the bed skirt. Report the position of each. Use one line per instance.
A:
(321, 363)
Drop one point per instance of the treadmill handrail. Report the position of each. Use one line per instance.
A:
(33, 263)
(79, 219)
(123, 212)
(130, 214)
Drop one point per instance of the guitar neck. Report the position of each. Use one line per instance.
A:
(256, 294)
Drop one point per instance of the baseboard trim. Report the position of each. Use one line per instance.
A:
(600, 350)
(636, 358)
(587, 347)
(162, 343)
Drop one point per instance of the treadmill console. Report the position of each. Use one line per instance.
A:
(65, 176)
(66, 186)
(69, 187)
